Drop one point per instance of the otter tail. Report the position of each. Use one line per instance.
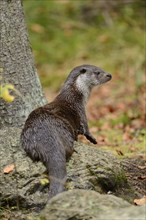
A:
(46, 147)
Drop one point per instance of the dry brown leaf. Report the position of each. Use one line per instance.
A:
(143, 157)
(101, 138)
(9, 168)
(127, 136)
(141, 201)
(133, 148)
(142, 177)
(142, 167)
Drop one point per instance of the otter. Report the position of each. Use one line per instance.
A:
(50, 131)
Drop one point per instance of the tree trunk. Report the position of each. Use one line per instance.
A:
(17, 65)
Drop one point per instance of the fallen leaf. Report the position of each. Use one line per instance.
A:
(142, 167)
(143, 157)
(141, 201)
(9, 168)
(5, 92)
(142, 177)
(133, 148)
(101, 138)
(44, 181)
(127, 136)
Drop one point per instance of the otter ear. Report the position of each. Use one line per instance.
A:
(83, 70)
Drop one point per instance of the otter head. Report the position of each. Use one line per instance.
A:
(90, 76)
(85, 77)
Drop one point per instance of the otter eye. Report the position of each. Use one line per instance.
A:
(83, 70)
(98, 72)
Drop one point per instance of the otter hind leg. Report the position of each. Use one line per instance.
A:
(49, 149)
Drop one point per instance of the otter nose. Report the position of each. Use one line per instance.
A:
(109, 75)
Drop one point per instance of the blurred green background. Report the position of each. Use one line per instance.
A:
(106, 33)
(66, 33)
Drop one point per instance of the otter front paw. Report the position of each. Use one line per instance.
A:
(91, 138)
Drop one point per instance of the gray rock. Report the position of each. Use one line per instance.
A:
(90, 168)
(21, 186)
(87, 204)
(93, 168)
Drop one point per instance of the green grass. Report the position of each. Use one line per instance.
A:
(135, 146)
(69, 33)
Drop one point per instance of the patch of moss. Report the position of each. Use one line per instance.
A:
(121, 179)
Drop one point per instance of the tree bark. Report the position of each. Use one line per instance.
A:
(17, 66)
